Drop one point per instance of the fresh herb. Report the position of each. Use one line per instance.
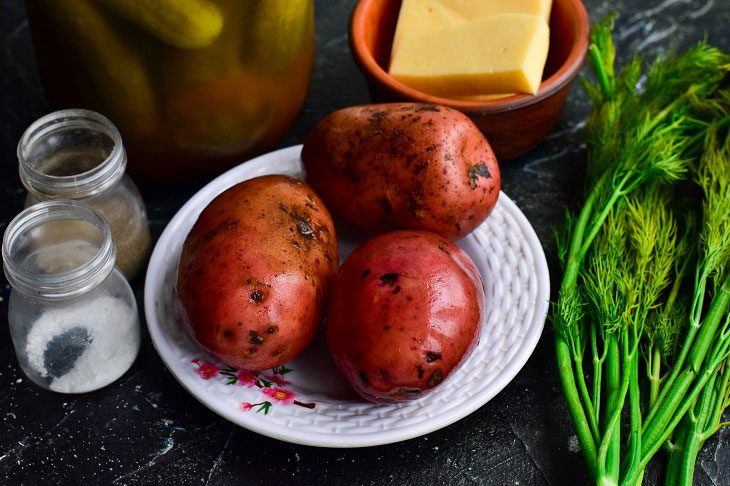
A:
(628, 258)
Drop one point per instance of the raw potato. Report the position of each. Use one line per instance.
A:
(404, 312)
(403, 166)
(255, 271)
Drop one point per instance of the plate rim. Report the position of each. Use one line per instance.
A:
(321, 439)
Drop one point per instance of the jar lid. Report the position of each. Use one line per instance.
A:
(57, 249)
(71, 154)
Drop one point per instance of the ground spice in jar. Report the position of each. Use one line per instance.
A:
(78, 154)
(130, 232)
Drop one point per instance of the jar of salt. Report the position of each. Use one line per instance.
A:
(73, 318)
(78, 154)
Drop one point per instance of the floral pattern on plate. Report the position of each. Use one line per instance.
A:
(233, 376)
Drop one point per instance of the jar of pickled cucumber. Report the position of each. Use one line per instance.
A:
(194, 86)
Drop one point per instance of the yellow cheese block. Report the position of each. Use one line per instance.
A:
(474, 9)
(501, 53)
(425, 15)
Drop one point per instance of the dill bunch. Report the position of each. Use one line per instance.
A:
(621, 305)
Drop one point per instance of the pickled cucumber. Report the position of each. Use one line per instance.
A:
(185, 69)
(279, 30)
(117, 75)
(187, 24)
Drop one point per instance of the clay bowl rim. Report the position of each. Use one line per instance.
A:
(559, 79)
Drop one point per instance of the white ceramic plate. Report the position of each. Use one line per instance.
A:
(512, 264)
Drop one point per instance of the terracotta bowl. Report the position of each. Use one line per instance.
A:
(514, 125)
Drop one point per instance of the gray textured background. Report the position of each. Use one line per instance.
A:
(145, 429)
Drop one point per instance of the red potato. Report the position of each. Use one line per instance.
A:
(404, 312)
(403, 166)
(255, 271)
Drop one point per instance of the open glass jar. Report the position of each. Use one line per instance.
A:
(72, 315)
(78, 154)
(194, 86)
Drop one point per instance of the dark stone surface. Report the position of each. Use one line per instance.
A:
(145, 429)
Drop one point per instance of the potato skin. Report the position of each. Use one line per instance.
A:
(404, 311)
(255, 271)
(403, 166)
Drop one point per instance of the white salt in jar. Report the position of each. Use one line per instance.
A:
(73, 318)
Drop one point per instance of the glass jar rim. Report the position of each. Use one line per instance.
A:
(62, 285)
(82, 184)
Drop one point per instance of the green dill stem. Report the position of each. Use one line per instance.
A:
(664, 412)
(590, 411)
(611, 444)
(667, 110)
(675, 455)
(695, 346)
(655, 379)
(707, 331)
(659, 423)
(598, 220)
(690, 448)
(685, 430)
(699, 338)
(693, 438)
(603, 78)
(578, 247)
(694, 325)
(712, 321)
(575, 253)
(575, 408)
(635, 408)
(562, 348)
(695, 316)
(705, 425)
(662, 436)
(613, 385)
(655, 365)
(720, 402)
(597, 372)
(658, 433)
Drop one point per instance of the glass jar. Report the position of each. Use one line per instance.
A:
(73, 318)
(78, 154)
(195, 86)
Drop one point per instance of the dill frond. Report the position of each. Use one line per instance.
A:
(713, 176)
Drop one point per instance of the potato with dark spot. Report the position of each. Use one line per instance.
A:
(404, 312)
(403, 166)
(254, 299)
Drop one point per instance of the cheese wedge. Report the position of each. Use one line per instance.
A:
(425, 15)
(502, 53)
